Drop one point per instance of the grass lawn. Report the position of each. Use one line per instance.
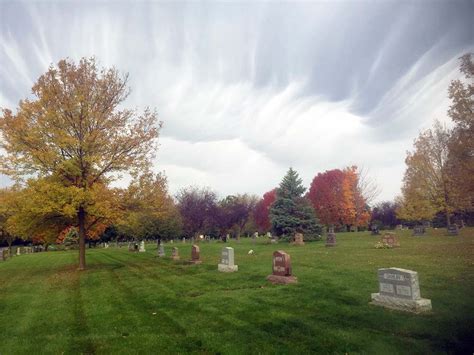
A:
(136, 303)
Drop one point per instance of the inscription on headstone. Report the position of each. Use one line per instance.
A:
(281, 270)
(399, 289)
(227, 261)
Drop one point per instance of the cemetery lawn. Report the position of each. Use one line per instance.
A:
(136, 303)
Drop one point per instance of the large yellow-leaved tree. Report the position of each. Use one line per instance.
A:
(73, 137)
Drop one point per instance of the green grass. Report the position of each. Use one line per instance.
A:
(137, 303)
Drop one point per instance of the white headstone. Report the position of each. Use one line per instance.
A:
(227, 261)
(142, 247)
(161, 251)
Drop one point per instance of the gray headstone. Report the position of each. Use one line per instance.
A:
(453, 229)
(161, 251)
(227, 260)
(400, 289)
(418, 230)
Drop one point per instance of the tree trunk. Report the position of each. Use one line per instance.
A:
(448, 219)
(81, 216)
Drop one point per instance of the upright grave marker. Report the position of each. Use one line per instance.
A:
(375, 230)
(400, 289)
(298, 239)
(227, 261)
(175, 253)
(418, 231)
(142, 247)
(390, 239)
(161, 251)
(331, 238)
(195, 255)
(281, 271)
(453, 229)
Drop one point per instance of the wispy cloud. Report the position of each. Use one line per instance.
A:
(246, 90)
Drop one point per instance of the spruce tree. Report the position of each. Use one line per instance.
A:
(292, 213)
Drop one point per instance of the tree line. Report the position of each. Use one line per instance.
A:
(67, 144)
(439, 178)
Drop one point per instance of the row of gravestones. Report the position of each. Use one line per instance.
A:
(420, 230)
(5, 252)
(398, 288)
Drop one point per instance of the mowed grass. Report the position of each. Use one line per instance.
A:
(137, 303)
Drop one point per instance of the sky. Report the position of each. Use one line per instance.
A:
(247, 89)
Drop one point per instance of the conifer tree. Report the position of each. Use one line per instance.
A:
(292, 213)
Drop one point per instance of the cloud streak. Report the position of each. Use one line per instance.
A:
(245, 91)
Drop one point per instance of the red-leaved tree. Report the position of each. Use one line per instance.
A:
(262, 211)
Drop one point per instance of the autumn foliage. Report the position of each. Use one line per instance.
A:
(337, 198)
(262, 211)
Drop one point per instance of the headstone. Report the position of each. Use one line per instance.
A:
(142, 247)
(106, 245)
(418, 231)
(184, 240)
(399, 289)
(161, 251)
(427, 224)
(5, 253)
(195, 255)
(171, 241)
(269, 235)
(2, 257)
(453, 229)
(399, 227)
(298, 239)
(175, 253)
(375, 230)
(390, 239)
(227, 261)
(18, 251)
(273, 241)
(281, 271)
(331, 238)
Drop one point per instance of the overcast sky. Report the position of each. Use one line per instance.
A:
(246, 90)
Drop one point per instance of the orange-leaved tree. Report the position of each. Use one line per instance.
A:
(340, 197)
(75, 136)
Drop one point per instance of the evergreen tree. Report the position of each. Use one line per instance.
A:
(292, 213)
